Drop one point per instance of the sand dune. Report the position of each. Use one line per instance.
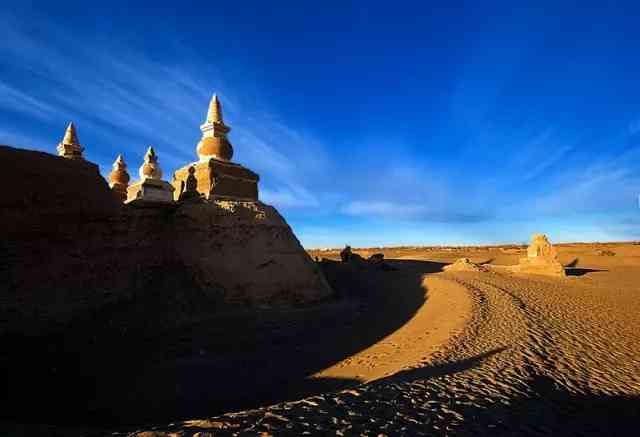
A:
(409, 350)
(522, 355)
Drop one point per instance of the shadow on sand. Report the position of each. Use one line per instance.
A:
(572, 263)
(108, 370)
(579, 271)
(441, 369)
(571, 270)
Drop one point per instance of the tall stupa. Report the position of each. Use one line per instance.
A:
(218, 178)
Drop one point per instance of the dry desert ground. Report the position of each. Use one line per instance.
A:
(404, 348)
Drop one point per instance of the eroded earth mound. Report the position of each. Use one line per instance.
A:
(68, 247)
(464, 265)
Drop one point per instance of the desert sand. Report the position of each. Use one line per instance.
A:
(409, 349)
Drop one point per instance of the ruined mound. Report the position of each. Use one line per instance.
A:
(542, 258)
(43, 191)
(247, 251)
(464, 265)
(69, 248)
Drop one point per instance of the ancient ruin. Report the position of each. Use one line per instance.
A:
(542, 258)
(150, 187)
(70, 147)
(217, 177)
(209, 243)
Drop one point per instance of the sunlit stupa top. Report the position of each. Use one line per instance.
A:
(119, 174)
(150, 169)
(214, 142)
(70, 147)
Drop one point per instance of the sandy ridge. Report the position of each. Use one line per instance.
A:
(445, 314)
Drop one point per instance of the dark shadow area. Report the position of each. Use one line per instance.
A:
(572, 263)
(489, 261)
(157, 358)
(578, 271)
(547, 409)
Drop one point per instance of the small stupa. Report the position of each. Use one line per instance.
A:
(150, 187)
(70, 147)
(119, 179)
(542, 258)
(217, 177)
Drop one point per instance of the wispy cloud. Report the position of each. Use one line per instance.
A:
(410, 212)
(14, 99)
(122, 101)
(384, 209)
(545, 163)
(606, 184)
(290, 197)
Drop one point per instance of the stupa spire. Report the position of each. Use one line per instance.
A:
(150, 156)
(215, 110)
(70, 147)
(70, 136)
(119, 162)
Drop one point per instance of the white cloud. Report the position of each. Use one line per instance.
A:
(545, 163)
(604, 185)
(383, 209)
(289, 197)
(14, 100)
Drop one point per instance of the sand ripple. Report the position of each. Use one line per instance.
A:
(539, 356)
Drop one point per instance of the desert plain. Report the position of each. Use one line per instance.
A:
(402, 348)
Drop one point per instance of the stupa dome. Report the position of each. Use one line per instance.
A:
(119, 175)
(215, 147)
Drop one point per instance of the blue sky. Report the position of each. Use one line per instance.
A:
(369, 123)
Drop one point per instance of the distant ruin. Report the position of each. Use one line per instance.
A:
(542, 258)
